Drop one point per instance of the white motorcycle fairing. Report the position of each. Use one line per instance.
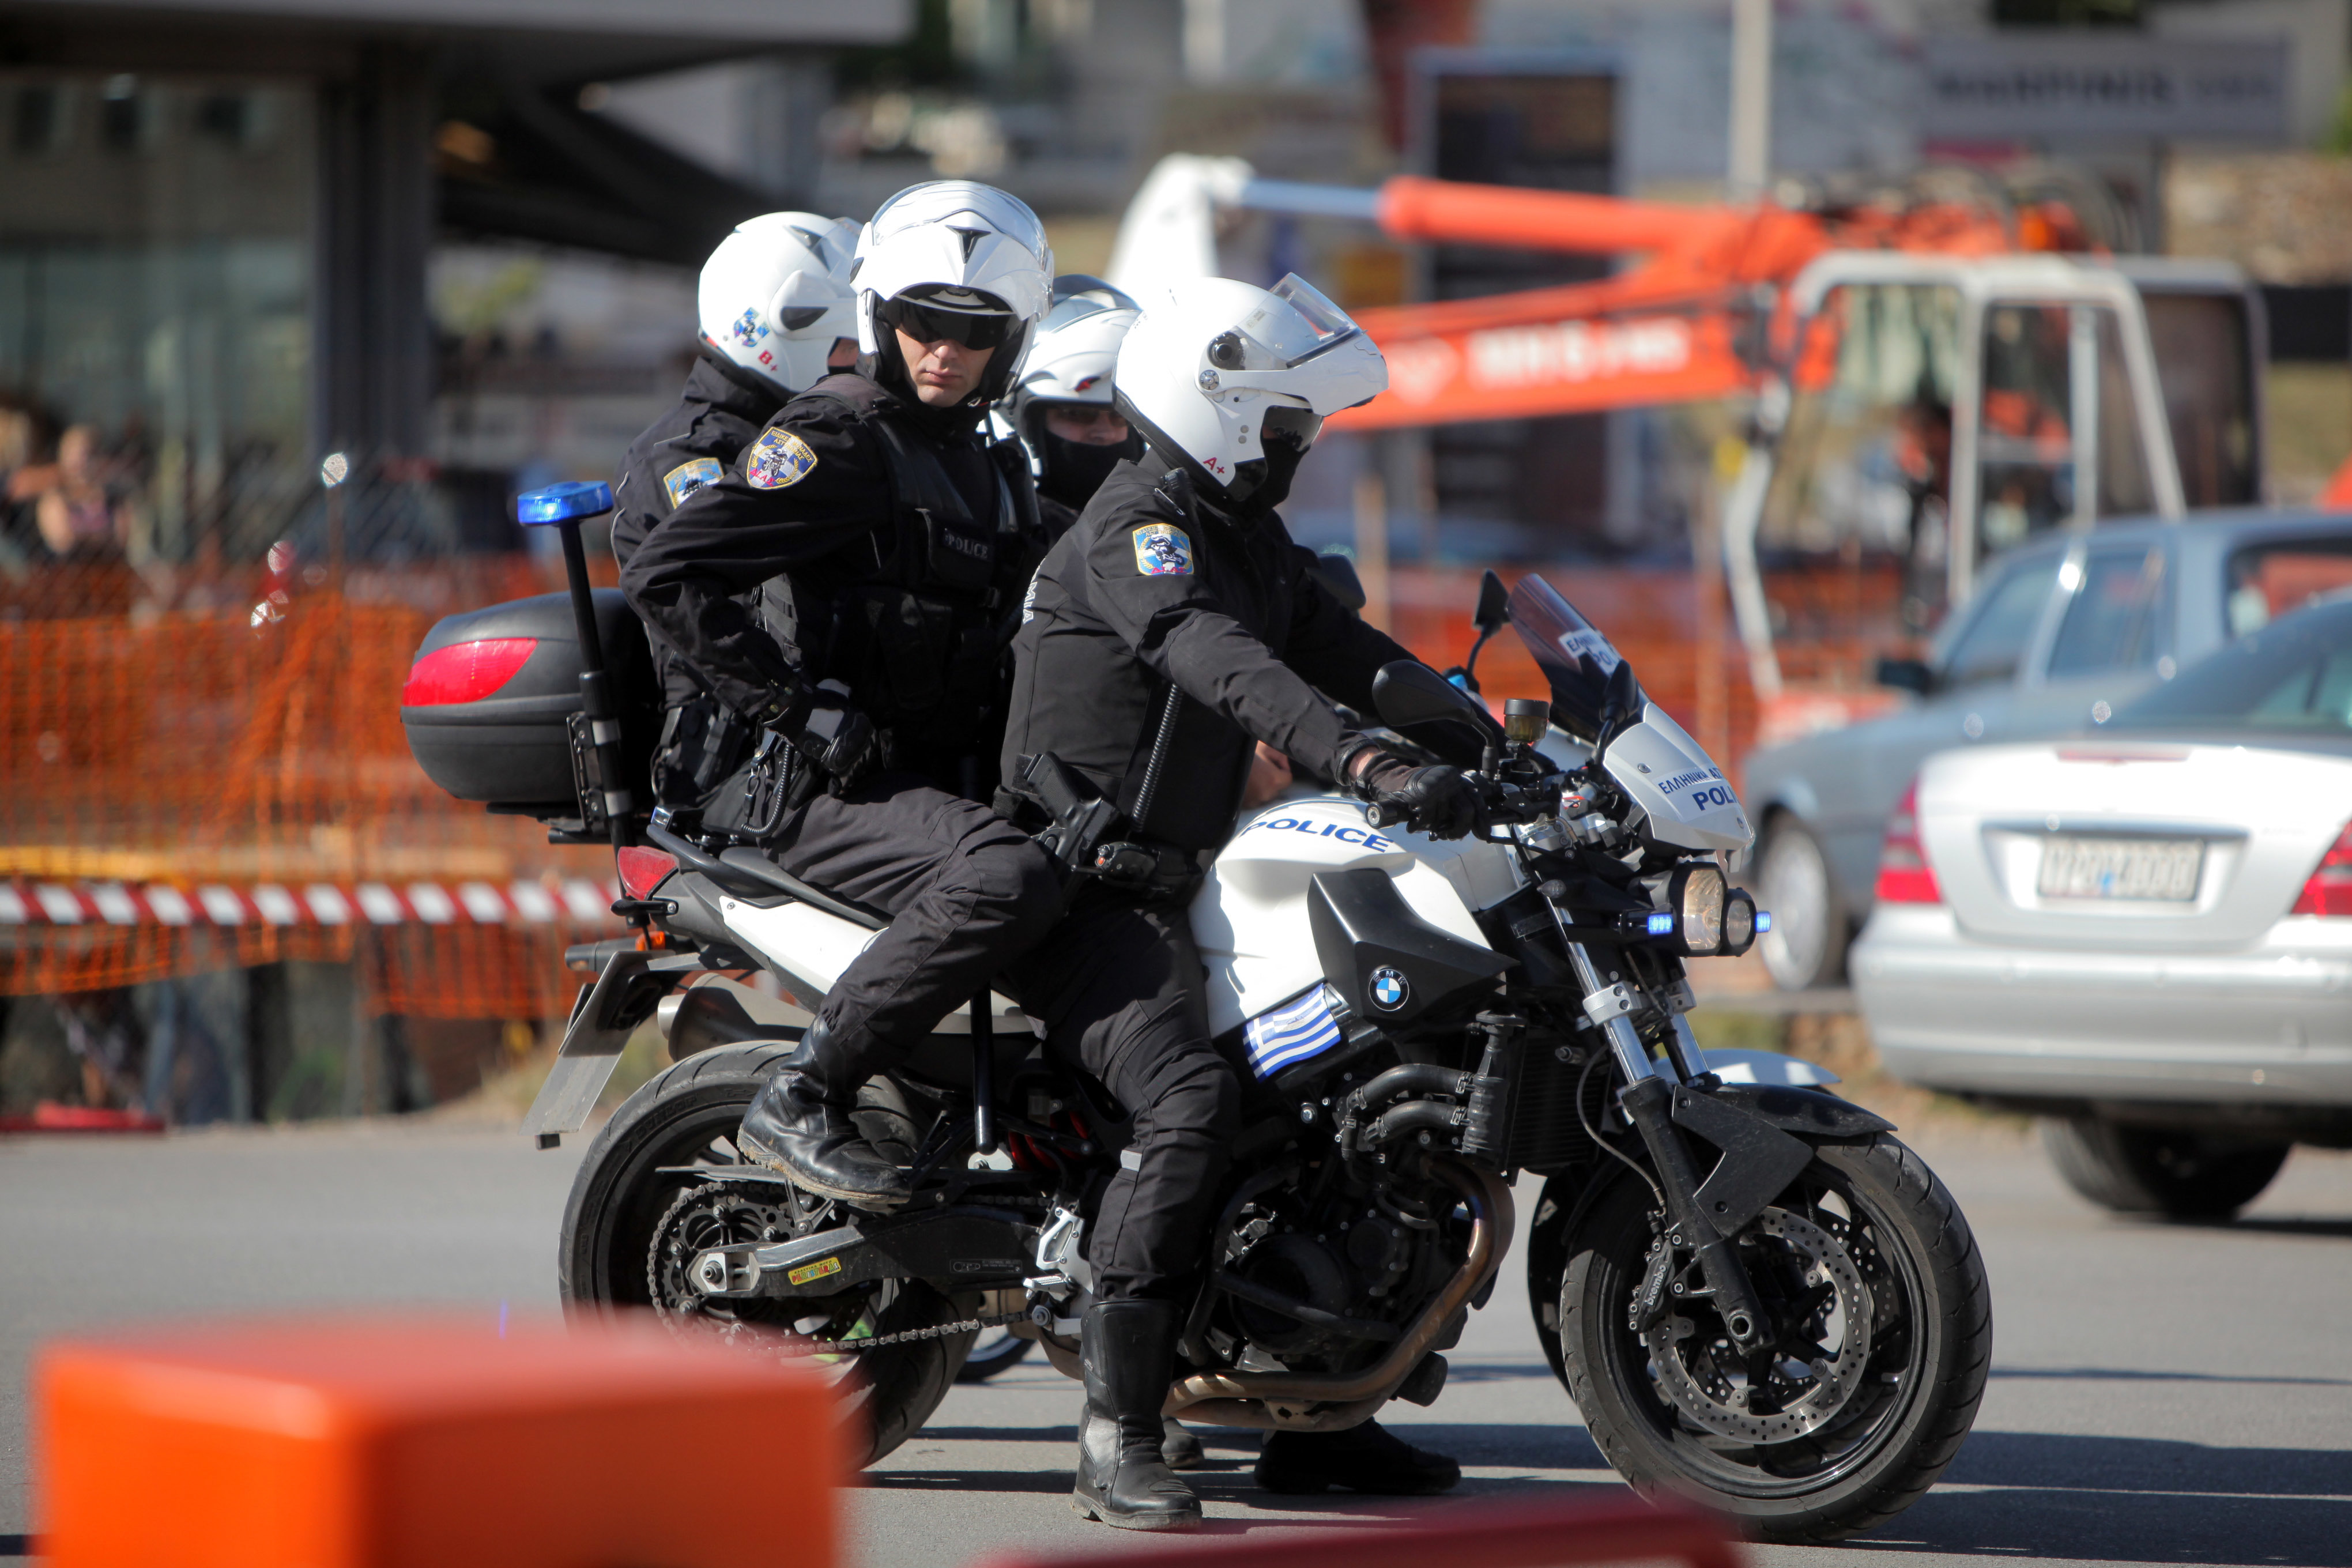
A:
(809, 948)
(1250, 919)
(1680, 794)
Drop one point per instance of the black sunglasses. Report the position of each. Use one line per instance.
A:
(926, 324)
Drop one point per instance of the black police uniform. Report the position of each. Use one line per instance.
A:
(861, 537)
(721, 409)
(1163, 636)
(1159, 640)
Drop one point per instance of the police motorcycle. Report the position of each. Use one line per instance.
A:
(1757, 1297)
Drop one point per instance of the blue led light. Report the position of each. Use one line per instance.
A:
(1763, 921)
(564, 504)
(1661, 925)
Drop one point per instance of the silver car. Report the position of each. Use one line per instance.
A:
(2061, 632)
(2143, 933)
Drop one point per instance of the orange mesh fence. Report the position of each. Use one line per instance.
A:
(1654, 619)
(195, 730)
(186, 729)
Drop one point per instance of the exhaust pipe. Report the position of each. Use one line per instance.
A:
(1280, 1400)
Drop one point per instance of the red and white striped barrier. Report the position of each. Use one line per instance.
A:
(570, 902)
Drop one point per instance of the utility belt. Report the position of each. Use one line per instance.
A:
(702, 741)
(1080, 833)
(702, 770)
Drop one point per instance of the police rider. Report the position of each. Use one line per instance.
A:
(874, 519)
(774, 307)
(1061, 407)
(1172, 628)
(775, 310)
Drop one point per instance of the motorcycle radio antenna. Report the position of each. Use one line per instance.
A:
(564, 508)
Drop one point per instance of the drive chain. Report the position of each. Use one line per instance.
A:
(969, 1326)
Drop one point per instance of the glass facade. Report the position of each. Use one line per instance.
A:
(157, 244)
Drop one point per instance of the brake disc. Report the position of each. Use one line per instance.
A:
(1706, 1378)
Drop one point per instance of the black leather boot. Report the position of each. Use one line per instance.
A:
(1366, 1459)
(799, 1125)
(1179, 1447)
(1128, 1348)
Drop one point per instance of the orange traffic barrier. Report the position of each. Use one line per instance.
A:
(438, 1443)
(1540, 1535)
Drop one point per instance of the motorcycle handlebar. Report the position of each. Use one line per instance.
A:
(1499, 804)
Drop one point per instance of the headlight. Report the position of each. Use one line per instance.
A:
(1742, 923)
(1696, 893)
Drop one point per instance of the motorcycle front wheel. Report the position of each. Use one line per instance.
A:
(1886, 1335)
(628, 1220)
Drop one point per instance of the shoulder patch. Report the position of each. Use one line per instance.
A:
(689, 476)
(776, 459)
(1161, 550)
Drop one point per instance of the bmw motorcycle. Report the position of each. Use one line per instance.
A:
(1758, 1299)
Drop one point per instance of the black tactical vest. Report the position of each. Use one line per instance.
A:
(919, 636)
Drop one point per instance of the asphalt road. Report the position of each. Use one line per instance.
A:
(2160, 1395)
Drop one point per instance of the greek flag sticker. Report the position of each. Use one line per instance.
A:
(1298, 1029)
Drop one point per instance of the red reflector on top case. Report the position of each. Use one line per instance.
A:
(642, 869)
(465, 671)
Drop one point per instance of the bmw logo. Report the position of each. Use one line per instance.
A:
(1389, 988)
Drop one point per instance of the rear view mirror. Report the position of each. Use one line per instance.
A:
(1494, 612)
(1410, 694)
(1906, 675)
(1338, 575)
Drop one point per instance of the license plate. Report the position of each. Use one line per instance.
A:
(2160, 870)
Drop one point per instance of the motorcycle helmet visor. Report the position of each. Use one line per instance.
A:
(1295, 427)
(928, 323)
(1311, 325)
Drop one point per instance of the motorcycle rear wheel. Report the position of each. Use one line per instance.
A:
(686, 1116)
(1928, 1345)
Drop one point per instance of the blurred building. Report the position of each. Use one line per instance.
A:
(216, 218)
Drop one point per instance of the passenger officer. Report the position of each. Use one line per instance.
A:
(1172, 628)
(1061, 407)
(879, 528)
(775, 310)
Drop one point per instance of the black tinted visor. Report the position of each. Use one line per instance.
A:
(928, 324)
(1292, 426)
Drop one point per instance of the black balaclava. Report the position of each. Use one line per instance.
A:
(1258, 485)
(1284, 435)
(1074, 470)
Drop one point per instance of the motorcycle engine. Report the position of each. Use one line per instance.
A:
(1356, 1261)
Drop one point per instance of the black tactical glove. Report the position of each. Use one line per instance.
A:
(1437, 800)
(835, 739)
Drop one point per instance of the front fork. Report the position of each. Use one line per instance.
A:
(1648, 1101)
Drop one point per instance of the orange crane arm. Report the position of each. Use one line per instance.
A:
(1689, 322)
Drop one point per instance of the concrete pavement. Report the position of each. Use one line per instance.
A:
(2160, 1395)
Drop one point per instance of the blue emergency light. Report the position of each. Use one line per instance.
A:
(570, 502)
(1662, 924)
(1763, 921)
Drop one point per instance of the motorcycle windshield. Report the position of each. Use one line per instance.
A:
(1571, 651)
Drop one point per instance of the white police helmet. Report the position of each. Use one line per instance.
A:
(1072, 360)
(1234, 382)
(1075, 352)
(969, 257)
(775, 294)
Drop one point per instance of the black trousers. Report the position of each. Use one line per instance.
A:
(967, 894)
(1122, 995)
(1121, 990)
